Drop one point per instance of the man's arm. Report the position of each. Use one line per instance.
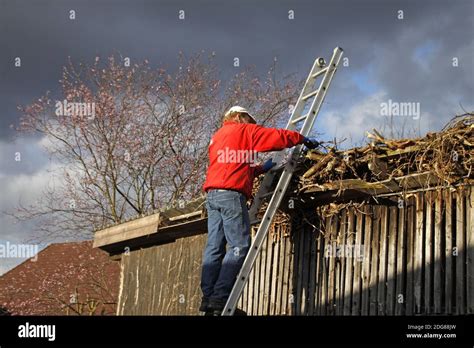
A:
(272, 139)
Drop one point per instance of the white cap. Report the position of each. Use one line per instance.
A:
(241, 110)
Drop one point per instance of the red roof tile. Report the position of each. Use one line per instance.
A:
(66, 279)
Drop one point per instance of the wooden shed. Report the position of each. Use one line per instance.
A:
(384, 244)
(414, 257)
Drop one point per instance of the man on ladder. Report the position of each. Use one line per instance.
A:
(229, 185)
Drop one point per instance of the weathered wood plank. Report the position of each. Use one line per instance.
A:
(281, 274)
(392, 250)
(325, 263)
(460, 253)
(294, 267)
(292, 276)
(448, 251)
(400, 294)
(275, 280)
(438, 267)
(375, 244)
(312, 271)
(357, 263)
(332, 267)
(418, 264)
(251, 291)
(470, 249)
(305, 272)
(299, 272)
(348, 280)
(410, 257)
(341, 261)
(127, 230)
(382, 285)
(124, 281)
(429, 257)
(320, 266)
(366, 262)
(259, 284)
(286, 276)
(263, 276)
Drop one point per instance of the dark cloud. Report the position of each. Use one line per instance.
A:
(43, 36)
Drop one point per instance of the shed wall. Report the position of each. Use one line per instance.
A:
(407, 259)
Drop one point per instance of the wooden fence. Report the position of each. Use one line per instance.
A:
(416, 257)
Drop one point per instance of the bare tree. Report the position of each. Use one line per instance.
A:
(130, 140)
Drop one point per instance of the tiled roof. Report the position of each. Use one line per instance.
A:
(66, 279)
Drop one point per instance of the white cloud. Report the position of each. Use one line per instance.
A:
(353, 123)
(22, 181)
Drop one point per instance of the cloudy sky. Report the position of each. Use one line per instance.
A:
(426, 57)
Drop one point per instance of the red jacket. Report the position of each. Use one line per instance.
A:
(232, 154)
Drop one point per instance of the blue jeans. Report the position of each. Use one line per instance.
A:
(228, 222)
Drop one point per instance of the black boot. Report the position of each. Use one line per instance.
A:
(204, 307)
(239, 312)
(216, 307)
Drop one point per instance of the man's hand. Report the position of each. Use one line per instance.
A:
(269, 164)
(311, 143)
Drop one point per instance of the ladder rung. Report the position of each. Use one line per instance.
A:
(309, 95)
(301, 118)
(320, 72)
(256, 221)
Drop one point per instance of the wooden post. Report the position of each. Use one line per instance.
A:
(332, 268)
(286, 275)
(375, 245)
(366, 262)
(410, 258)
(348, 276)
(418, 252)
(319, 266)
(382, 284)
(274, 269)
(460, 253)
(299, 286)
(263, 277)
(392, 251)
(312, 270)
(325, 264)
(341, 262)
(291, 275)
(357, 262)
(281, 274)
(437, 254)
(429, 262)
(400, 294)
(470, 249)
(251, 292)
(448, 252)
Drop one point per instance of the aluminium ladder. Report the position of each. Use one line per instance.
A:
(299, 113)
